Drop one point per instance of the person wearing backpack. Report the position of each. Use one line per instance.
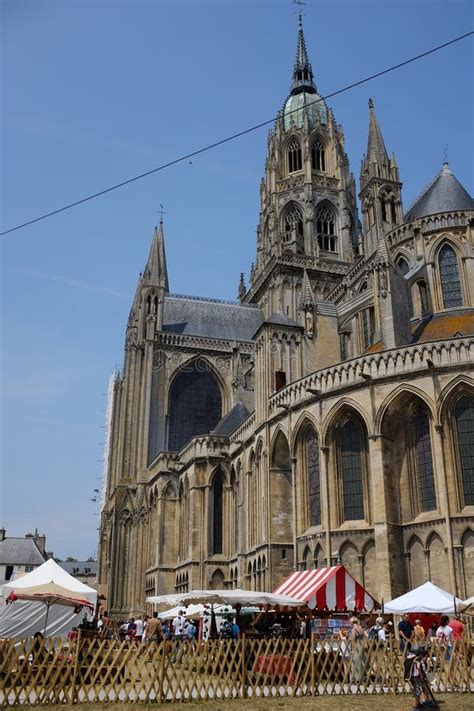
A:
(376, 633)
(377, 638)
(413, 673)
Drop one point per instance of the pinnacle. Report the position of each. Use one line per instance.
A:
(307, 295)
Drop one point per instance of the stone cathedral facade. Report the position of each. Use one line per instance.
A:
(325, 417)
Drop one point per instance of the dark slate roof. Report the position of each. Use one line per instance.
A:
(78, 567)
(279, 319)
(232, 420)
(20, 551)
(196, 316)
(445, 193)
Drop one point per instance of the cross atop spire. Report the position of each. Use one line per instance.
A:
(302, 72)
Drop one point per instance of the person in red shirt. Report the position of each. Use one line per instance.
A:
(72, 634)
(458, 628)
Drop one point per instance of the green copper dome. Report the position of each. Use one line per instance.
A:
(297, 104)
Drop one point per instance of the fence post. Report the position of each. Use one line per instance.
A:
(162, 671)
(243, 668)
(76, 667)
(313, 667)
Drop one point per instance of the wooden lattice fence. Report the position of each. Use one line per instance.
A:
(94, 670)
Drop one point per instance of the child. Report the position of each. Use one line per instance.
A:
(414, 672)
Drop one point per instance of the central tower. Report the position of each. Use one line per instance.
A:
(306, 237)
(308, 213)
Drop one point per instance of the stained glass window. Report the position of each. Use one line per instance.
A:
(294, 156)
(449, 275)
(217, 514)
(464, 416)
(326, 229)
(195, 404)
(351, 446)
(318, 156)
(314, 481)
(419, 426)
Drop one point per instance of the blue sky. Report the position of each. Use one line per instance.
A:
(95, 92)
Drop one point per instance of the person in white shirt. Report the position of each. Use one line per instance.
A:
(178, 626)
(140, 627)
(444, 636)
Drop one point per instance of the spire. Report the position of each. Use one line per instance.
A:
(156, 272)
(307, 295)
(376, 151)
(302, 72)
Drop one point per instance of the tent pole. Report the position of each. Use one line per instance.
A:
(48, 605)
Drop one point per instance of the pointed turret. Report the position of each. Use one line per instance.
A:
(376, 151)
(302, 72)
(156, 273)
(380, 187)
(307, 300)
(444, 194)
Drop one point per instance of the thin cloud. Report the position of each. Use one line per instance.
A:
(74, 283)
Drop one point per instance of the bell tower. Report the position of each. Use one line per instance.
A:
(380, 187)
(308, 213)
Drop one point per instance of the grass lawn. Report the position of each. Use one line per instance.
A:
(389, 702)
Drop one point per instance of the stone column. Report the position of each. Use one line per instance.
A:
(461, 574)
(326, 517)
(378, 509)
(443, 501)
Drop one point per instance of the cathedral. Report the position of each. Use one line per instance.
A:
(325, 417)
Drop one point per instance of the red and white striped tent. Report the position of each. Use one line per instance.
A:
(331, 588)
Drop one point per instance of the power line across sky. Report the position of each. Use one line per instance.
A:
(228, 139)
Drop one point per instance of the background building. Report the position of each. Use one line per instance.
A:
(20, 555)
(329, 414)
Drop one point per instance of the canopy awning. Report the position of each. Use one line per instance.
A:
(425, 598)
(226, 597)
(331, 588)
(51, 584)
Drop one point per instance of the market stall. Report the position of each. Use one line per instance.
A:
(427, 598)
(327, 589)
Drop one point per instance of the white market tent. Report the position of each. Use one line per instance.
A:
(32, 596)
(50, 579)
(226, 597)
(425, 598)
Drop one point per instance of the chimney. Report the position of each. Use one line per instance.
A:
(40, 540)
(2, 534)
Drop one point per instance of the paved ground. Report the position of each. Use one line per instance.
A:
(388, 702)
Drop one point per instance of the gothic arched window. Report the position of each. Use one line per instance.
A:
(464, 425)
(217, 517)
(295, 162)
(351, 450)
(326, 229)
(318, 156)
(293, 226)
(405, 268)
(195, 404)
(313, 477)
(423, 296)
(418, 429)
(449, 276)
